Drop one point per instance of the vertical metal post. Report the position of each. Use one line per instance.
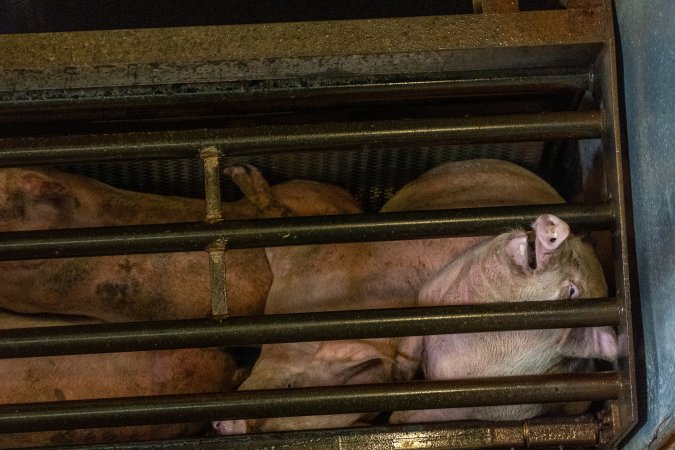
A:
(219, 306)
(211, 159)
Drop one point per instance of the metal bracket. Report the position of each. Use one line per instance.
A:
(610, 422)
(211, 158)
(219, 305)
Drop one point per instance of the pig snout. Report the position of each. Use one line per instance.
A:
(226, 427)
(550, 232)
(533, 251)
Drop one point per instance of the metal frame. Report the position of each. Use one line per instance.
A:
(68, 74)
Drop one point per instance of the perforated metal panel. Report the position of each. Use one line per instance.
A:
(372, 175)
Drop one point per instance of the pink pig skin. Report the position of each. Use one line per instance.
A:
(374, 275)
(55, 378)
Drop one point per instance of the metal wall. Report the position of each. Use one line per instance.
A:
(647, 34)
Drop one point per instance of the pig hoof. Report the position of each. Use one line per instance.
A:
(225, 427)
(256, 190)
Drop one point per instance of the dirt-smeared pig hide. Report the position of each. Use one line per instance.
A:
(134, 287)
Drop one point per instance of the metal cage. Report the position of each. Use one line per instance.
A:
(368, 109)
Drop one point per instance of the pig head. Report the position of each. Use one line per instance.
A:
(547, 263)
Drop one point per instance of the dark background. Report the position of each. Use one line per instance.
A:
(31, 16)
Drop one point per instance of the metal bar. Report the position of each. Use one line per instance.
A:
(576, 431)
(219, 305)
(317, 137)
(211, 162)
(195, 236)
(616, 164)
(308, 401)
(292, 94)
(299, 327)
(214, 214)
(214, 53)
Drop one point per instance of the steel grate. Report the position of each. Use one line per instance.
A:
(567, 52)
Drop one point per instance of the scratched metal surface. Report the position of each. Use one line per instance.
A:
(647, 33)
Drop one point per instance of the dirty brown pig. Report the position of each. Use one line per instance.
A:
(128, 288)
(135, 287)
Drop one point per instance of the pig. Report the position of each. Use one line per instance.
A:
(55, 378)
(369, 275)
(135, 287)
(546, 264)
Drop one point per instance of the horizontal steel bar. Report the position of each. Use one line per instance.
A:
(285, 95)
(326, 136)
(196, 236)
(574, 431)
(335, 325)
(214, 53)
(309, 401)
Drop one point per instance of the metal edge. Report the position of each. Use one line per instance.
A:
(618, 173)
(549, 388)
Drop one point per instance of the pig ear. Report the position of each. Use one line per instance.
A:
(358, 361)
(594, 343)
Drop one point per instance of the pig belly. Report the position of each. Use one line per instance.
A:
(76, 377)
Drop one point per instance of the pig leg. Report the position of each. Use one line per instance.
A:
(256, 190)
(408, 358)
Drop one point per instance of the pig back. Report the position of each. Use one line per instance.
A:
(388, 274)
(471, 184)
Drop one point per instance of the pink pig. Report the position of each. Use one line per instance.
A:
(385, 275)
(546, 264)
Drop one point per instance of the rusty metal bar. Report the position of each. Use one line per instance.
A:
(573, 431)
(214, 214)
(299, 327)
(308, 401)
(196, 236)
(219, 305)
(499, 6)
(254, 141)
(284, 95)
(211, 54)
(211, 162)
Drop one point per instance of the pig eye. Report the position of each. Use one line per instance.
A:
(572, 291)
